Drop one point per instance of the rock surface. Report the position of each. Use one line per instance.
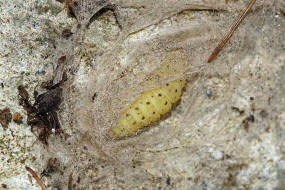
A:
(228, 131)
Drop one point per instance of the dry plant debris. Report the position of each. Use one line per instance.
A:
(42, 113)
(229, 34)
(5, 117)
(35, 175)
(17, 117)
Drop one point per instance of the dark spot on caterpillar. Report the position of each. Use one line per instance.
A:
(147, 103)
(127, 115)
(152, 96)
(165, 103)
(167, 84)
(136, 108)
(175, 90)
(159, 94)
(143, 117)
(153, 112)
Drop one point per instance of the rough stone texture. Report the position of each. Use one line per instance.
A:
(228, 131)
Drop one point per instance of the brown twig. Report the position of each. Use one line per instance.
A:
(282, 12)
(231, 31)
(35, 175)
(70, 182)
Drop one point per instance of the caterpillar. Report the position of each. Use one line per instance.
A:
(148, 108)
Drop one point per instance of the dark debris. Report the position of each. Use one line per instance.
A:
(241, 112)
(246, 121)
(5, 117)
(52, 166)
(66, 33)
(4, 186)
(42, 114)
(17, 117)
(168, 180)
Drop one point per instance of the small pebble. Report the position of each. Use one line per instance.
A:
(208, 92)
(218, 155)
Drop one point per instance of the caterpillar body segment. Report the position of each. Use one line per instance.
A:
(148, 108)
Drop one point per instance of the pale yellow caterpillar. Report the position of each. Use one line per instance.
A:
(148, 108)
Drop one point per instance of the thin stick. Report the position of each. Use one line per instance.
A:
(39, 181)
(231, 31)
(70, 182)
(283, 12)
